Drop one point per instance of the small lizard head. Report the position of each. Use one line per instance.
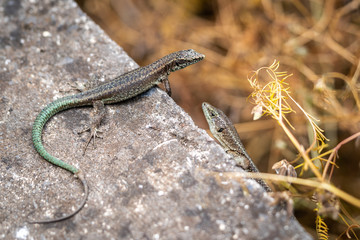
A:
(217, 120)
(185, 58)
(222, 128)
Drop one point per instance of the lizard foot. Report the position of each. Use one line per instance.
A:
(96, 117)
(93, 135)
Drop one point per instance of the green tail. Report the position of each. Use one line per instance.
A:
(49, 111)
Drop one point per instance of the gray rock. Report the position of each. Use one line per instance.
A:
(154, 175)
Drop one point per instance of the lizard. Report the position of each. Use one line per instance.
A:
(224, 131)
(119, 89)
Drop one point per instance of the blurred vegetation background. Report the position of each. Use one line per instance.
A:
(318, 41)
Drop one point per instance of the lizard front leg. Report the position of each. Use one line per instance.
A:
(165, 81)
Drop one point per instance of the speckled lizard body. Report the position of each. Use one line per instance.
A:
(119, 89)
(225, 132)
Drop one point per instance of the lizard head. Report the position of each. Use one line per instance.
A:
(185, 58)
(221, 127)
(216, 119)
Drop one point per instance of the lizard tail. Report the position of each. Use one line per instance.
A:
(49, 111)
(40, 121)
(82, 204)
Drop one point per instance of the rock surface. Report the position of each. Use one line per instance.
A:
(154, 175)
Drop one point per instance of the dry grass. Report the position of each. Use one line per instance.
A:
(316, 40)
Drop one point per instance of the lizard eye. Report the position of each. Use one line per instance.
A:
(221, 129)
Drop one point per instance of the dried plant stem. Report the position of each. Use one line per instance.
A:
(336, 47)
(305, 182)
(317, 29)
(301, 150)
(350, 82)
(335, 150)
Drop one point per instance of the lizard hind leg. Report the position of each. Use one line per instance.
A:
(96, 117)
(81, 177)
